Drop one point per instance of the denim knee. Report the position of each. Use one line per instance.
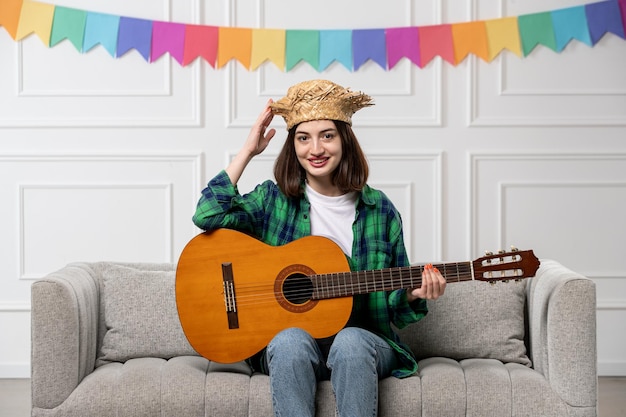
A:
(291, 344)
(351, 341)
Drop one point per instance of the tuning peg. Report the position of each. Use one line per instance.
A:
(500, 251)
(488, 253)
(514, 248)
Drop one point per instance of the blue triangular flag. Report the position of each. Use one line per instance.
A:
(604, 17)
(101, 29)
(369, 44)
(335, 45)
(134, 33)
(570, 23)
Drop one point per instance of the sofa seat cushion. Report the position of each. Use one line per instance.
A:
(192, 386)
(485, 387)
(181, 386)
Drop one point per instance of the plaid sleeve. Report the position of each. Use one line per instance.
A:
(405, 313)
(221, 206)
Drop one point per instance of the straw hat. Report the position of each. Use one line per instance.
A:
(319, 100)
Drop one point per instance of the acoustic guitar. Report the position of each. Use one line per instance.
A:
(234, 293)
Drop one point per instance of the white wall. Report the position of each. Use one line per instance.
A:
(104, 159)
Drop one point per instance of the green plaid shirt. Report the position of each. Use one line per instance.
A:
(275, 219)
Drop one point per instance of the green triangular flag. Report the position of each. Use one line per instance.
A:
(68, 23)
(536, 29)
(302, 45)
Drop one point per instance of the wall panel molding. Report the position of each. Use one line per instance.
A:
(169, 182)
(475, 159)
(97, 190)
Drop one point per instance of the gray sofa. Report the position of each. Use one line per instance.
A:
(106, 341)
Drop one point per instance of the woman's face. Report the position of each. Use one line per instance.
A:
(319, 151)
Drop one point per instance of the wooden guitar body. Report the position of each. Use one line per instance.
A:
(259, 272)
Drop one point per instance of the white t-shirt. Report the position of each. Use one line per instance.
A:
(332, 217)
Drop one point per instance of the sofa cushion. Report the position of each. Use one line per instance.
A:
(139, 308)
(473, 320)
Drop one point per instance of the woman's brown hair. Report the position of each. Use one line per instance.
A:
(350, 175)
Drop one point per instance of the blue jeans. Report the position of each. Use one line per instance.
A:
(356, 361)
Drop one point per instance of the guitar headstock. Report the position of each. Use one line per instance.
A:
(506, 266)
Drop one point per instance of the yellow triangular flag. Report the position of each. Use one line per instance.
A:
(268, 44)
(36, 17)
(503, 34)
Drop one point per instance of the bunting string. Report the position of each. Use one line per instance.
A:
(286, 48)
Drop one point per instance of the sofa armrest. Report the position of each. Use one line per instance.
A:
(64, 328)
(562, 327)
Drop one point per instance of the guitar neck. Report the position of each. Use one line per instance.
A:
(345, 284)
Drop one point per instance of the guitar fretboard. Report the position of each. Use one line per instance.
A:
(344, 284)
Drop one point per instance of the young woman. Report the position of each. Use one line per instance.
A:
(320, 189)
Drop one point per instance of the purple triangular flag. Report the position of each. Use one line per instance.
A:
(604, 17)
(403, 42)
(134, 33)
(369, 44)
(622, 6)
(168, 37)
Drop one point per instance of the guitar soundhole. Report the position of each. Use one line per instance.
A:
(298, 289)
(293, 289)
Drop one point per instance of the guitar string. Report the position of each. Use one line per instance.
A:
(249, 294)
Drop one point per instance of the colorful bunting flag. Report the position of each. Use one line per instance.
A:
(570, 23)
(536, 29)
(403, 43)
(603, 18)
(469, 38)
(268, 44)
(36, 18)
(503, 34)
(352, 48)
(10, 15)
(369, 44)
(68, 24)
(622, 6)
(302, 45)
(335, 45)
(201, 41)
(134, 34)
(234, 43)
(168, 38)
(101, 29)
(436, 40)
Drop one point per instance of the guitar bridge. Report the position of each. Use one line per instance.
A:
(230, 299)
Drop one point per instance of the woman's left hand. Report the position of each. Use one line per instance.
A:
(433, 285)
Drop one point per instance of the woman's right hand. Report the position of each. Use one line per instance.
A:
(258, 139)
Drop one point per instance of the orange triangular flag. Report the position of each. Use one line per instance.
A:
(234, 43)
(36, 18)
(10, 15)
(470, 37)
(503, 34)
(268, 44)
